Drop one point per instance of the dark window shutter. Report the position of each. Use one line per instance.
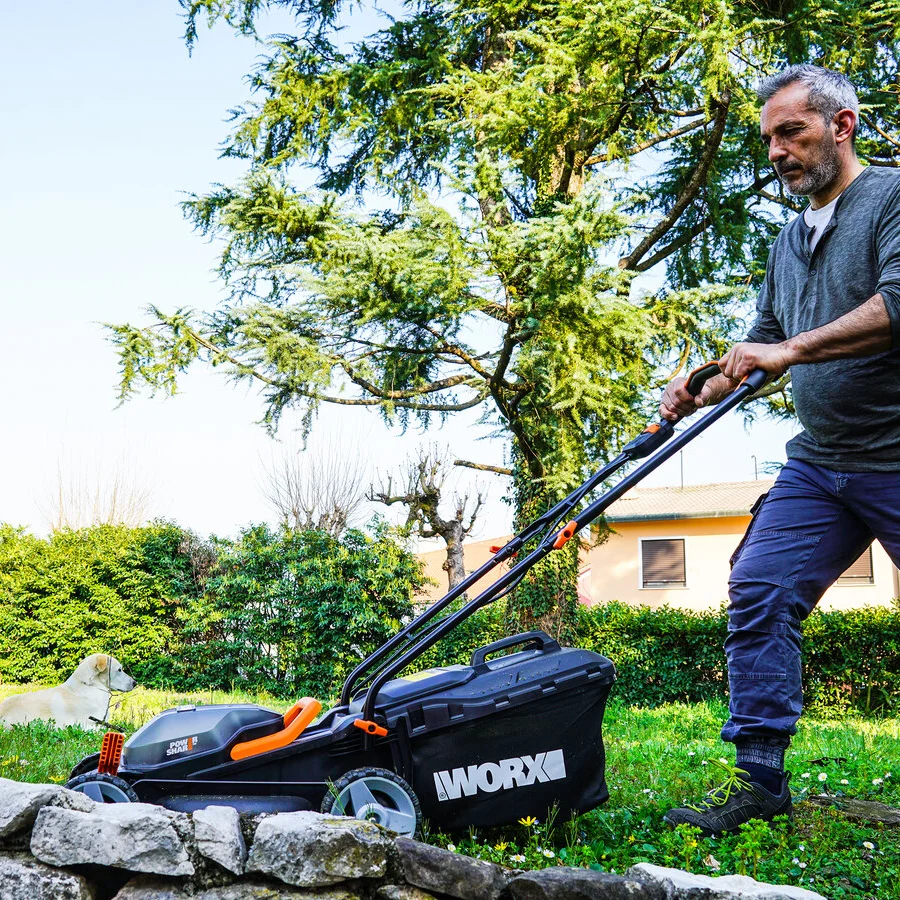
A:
(861, 571)
(662, 563)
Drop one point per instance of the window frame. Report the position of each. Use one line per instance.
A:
(670, 586)
(852, 581)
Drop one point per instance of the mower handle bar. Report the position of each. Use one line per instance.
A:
(645, 444)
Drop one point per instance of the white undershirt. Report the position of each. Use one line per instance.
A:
(818, 220)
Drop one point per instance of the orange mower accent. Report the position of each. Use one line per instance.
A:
(565, 535)
(371, 727)
(110, 753)
(295, 721)
(652, 429)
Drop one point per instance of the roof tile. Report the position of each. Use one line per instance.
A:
(732, 498)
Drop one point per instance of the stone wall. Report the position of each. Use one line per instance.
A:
(59, 845)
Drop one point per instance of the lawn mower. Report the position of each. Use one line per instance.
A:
(513, 734)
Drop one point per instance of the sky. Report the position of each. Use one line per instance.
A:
(108, 124)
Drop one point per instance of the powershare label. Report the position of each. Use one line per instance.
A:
(181, 745)
(519, 771)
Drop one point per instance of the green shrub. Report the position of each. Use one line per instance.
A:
(293, 612)
(111, 589)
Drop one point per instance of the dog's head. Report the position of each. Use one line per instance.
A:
(105, 671)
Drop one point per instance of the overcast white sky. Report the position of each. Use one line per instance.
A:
(106, 123)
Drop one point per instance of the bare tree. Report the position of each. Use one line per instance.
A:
(319, 488)
(102, 495)
(424, 478)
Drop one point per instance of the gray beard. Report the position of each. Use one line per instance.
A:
(818, 177)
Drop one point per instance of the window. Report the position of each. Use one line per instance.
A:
(662, 563)
(861, 571)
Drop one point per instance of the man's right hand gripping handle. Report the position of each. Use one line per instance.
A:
(684, 396)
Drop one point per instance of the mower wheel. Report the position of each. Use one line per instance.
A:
(103, 788)
(376, 795)
(88, 764)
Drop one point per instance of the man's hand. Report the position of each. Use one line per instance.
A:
(742, 359)
(677, 402)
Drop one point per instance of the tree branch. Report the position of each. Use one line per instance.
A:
(698, 229)
(687, 195)
(430, 388)
(482, 467)
(652, 142)
(875, 127)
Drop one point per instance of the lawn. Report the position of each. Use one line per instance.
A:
(656, 758)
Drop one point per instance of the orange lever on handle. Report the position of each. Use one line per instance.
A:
(370, 727)
(565, 535)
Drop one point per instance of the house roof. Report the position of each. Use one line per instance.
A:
(696, 501)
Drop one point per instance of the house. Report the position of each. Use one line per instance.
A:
(672, 545)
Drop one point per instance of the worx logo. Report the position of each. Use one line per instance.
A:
(519, 771)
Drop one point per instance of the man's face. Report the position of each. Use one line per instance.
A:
(801, 144)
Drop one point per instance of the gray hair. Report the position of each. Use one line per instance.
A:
(829, 91)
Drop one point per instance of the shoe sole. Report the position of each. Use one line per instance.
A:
(707, 832)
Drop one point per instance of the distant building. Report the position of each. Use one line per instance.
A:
(672, 545)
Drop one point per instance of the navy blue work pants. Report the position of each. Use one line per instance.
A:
(811, 527)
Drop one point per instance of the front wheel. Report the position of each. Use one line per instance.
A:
(376, 795)
(88, 764)
(103, 788)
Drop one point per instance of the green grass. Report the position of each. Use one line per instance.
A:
(40, 753)
(655, 760)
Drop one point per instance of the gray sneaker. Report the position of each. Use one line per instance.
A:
(735, 801)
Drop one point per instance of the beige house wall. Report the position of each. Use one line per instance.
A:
(709, 543)
(612, 570)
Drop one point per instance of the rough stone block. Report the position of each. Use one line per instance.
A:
(21, 802)
(443, 872)
(22, 876)
(308, 849)
(138, 837)
(144, 888)
(402, 892)
(680, 885)
(217, 831)
(564, 883)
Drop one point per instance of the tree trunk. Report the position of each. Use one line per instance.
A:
(455, 564)
(547, 596)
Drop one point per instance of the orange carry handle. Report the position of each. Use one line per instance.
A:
(110, 753)
(295, 721)
(370, 727)
(565, 535)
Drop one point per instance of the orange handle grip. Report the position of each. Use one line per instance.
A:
(308, 710)
(696, 378)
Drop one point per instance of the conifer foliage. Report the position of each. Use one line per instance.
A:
(454, 213)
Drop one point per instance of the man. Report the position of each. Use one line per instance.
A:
(828, 311)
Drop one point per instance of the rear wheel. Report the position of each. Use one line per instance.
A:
(103, 788)
(376, 795)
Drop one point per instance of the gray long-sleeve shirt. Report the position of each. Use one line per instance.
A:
(849, 408)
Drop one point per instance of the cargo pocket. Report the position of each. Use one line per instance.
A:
(754, 514)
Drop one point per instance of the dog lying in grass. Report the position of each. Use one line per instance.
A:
(83, 699)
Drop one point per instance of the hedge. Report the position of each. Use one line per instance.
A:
(293, 612)
(851, 660)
